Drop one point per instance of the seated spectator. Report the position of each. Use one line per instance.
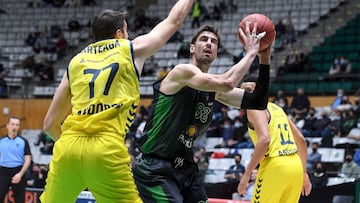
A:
(349, 168)
(46, 74)
(320, 124)
(292, 62)
(37, 176)
(239, 137)
(309, 125)
(300, 103)
(319, 178)
(313, 157)
(235, 171)
(340, 66)
(349, 122)
(355, 132)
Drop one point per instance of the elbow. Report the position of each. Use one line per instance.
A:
(264, 140)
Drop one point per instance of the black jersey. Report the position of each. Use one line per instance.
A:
(175, 121)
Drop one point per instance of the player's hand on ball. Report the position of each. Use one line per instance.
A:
(250, 40)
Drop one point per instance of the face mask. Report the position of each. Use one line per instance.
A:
(357, 103)
(237, 162)
(358, 125)
(314, 150)
(237, 125)
(348, 159)
(226, 126)
(318, 170)
(340, 95)
(311, 114)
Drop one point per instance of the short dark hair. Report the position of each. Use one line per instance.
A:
(105, 24)
(207, 28)
(13, 117)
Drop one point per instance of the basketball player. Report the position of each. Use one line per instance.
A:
(182, 110)
(101, 89)
(281, 150)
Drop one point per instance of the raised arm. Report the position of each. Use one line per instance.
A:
(148, 44)
(258, 98)
(59, 108)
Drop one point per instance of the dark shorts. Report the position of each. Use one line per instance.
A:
(159, 181)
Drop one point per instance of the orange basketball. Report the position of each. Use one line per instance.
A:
(264, 23)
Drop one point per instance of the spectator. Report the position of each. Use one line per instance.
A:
(37, 176)
(240, 138)
(309, 125)
(235, 171)
(46, 74)
(340, 66)
(280, 29)
(142, 21)
(15, 160)
(338, 99)
(355, 132)
(350, 121)
(313, 157)
(319, 178)
(320, 124)
(290, 33)
(300, 103)
(202, 160)
(292, 62)
(226, 130)
(280, 94)
(162, 73)
(349, 168)
(196, 14)
(42, 42)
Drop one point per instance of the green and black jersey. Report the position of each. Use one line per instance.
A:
(175, 121)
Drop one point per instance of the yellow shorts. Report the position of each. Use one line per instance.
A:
(99, 163)
(280, 179)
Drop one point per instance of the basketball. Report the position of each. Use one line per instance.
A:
(264, 23)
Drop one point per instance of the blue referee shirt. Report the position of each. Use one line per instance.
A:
(12, 151)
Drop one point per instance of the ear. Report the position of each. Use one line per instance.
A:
(192, 48)
(119, 34)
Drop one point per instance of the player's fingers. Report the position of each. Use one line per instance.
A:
(254, 29)
(247, 27)
(242, 34)
(261, 35)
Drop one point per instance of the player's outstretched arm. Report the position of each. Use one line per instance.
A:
(59, 108)
(257, 98)
(148, 44)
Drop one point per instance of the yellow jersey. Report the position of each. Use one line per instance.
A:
(282, 141)
(104, 85)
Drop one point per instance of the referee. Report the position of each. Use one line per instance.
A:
(15, 159)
